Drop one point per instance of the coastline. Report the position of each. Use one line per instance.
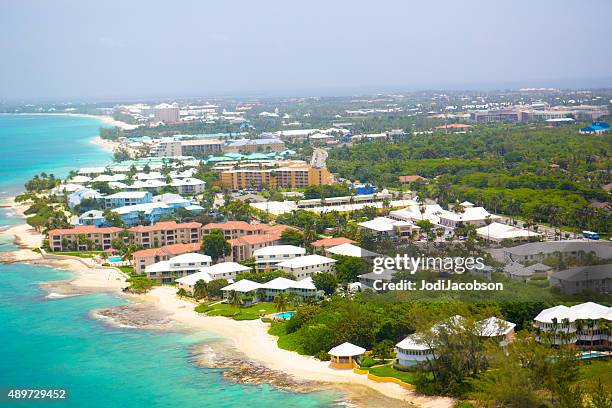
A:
(250, 338)
(109, 120)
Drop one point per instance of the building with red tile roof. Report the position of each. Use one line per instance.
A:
(244, 246)
(331, 242)
(236, 229)
(146, 257)
(70, 238)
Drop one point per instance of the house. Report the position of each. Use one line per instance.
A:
(176, 267)
(538, 251)
(268, 257)
(596, 278)
(81, 194)
(321, 244)
(189, 186)
(244, 288)
(127, 198)
(411, 351)
(304, 266)
(383, 227)
(188, 282)
(165, 233)
(351, 250)
(269, 290)
(368, 280)
(71, 238)
(146, 257)
(92, 217)
(578, 324)
(345, 355)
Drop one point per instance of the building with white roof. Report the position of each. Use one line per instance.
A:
(470, 215)
(268, 257)
(106, 178)
(269, 290)
(188, 282)
(80, 179)
(127, 198)
(384, 227)
(178, 266)
(497, 232)
(304, 266)
(412, 351)
(149, 212)
(81, 194)
(577, 324)
(189, 186)
(348, 249)
(343, 355)
(226, 270)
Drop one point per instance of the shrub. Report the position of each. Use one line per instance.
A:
(322, 355)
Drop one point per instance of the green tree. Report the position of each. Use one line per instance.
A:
(348, 268)
(215, 246)
(200, 290)
(281, 302)
(292, 236)
(181, 293)
(327, 282)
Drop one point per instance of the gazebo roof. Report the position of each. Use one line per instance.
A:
(346, 349)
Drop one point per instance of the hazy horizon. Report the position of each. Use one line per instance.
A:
(152, 49)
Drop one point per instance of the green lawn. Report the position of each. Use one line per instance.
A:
(389, 371)
(80, 254)
(590, 372)
(126, 269)
(237, 313)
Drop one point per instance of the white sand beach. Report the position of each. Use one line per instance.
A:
(249, 337)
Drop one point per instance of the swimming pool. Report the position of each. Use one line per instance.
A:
(284, 315)
(592, 355)
(114, 259)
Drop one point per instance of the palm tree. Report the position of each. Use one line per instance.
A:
(488, 223)
(260, 294)
(234, 298)
(181, 293)
(200, 290)
(281, 302)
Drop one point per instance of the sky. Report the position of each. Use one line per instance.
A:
(148, 48)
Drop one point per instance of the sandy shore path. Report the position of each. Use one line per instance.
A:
(251, 338)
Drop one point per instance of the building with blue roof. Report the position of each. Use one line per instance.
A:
(596, 128)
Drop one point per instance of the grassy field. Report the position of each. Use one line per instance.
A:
(126, 269)
(237, 313)
(590, 372)
(389, 371)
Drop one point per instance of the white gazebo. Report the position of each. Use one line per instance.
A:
(342, 356)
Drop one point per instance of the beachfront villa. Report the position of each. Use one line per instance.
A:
(269, 290)
(580, 324)
(176, 267)
(268, 257)
(304, 266)
(414, 349)
(345, 355)
(188, 282)
(146, 257)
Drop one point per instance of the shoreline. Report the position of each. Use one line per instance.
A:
(109, 120)
(249, 338)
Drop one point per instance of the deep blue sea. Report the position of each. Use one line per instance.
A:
(56, 343)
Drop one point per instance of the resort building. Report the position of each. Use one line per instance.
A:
(470, 216)
(127, 198)
(411, 351)
(146, 257)
(188, 282)
(82, 237)
(269, 290)
(497, 232)
(176, 267)
(345, 355)
(245, 288)
(189, 186)
(165, 233)
(383, 227)
(82, 194)
(595, 278)
(92, 217)
(143, 213)
(268, 257)
(290, 176)
(518, 272)
(254, 145)
(304, 266)
(237, 229)
(579, 324)
(321, 244)
(190, 147)
(245, 246)
(226, 270)
(538, 251)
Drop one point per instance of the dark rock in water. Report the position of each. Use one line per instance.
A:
(239, 368)
(135, 315)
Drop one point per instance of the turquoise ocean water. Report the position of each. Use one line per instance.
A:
(55, 343)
